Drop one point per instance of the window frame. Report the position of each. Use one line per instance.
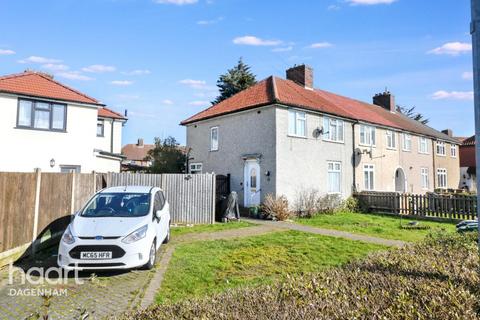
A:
(370, 132)
(339, 127)
(212, 146)
(370, 168)
(33, 109)
(296, 119)
(453, 151)
(102, 122)
(441, 145)
(404, 140)
(334, 171)
(420, 140)
(391, 139)
(424, 178)
(196, 171)
(442, 172)
(71, 168)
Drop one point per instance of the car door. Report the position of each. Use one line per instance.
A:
(161, 223)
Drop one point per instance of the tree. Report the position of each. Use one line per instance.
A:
(234, 80)
(166, 156)
(410, 112)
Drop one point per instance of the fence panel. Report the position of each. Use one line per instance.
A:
(17, 208)
(85, 187)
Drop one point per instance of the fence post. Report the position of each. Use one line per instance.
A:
(214, 195)
(38, 172)
(72, 196)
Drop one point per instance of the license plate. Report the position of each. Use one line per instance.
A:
(97, 255)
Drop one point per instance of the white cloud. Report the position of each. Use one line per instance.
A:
(6, 52)
(282, 49)
(122, 83)
(99, 68)
(176, 2)
(127, 97)
(37, 59)
(199, 103)
(55, 66)
(167, 102)
(255, 41)
(333, 7)
(73, 75)
(453, 95)
(320, 45)
(370, 2)
(207, 22)
(467, 75)
(137, 72)
(196, 84)
(452, 48)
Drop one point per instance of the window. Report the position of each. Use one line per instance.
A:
(253, 178)
(391, 140)
(453, 151)
(196, 168)
(442, 178)
(334, 176)
(424, 176)
(297, 122)
(214, 139)
(70, 169)
(332, 129)
(158, 202)
(367, 135)
(441, 148)
(422, 145)
(41, 115)
(407, 142)
(100, 128)
(127, 205)
(369, 176)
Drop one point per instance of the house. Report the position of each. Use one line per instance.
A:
(468, 166)
(281, 136)
(136, 156)
(48, 125)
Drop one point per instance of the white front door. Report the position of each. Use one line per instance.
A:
(252, 183)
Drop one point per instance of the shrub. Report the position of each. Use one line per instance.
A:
(309, 202)
(329, 204)
(351, 204)
(436, 279)
(276, 208)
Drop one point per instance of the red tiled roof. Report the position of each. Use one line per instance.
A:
(469, 141)
(276, 90)
(36, 84)
(136, 152)
(107, 113)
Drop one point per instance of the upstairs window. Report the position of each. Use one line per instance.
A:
(423, 145)
(100, 128)
(41, 115)
(441, 149)
(214, 139)
(297, 123)
(453, 151)
(332, 129)
(407, 142)
(367, 135)
(391, 140)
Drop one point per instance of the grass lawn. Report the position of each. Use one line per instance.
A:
(206, 267)
(201, 228)
(387, 227)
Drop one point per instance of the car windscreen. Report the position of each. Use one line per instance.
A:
(118, 205)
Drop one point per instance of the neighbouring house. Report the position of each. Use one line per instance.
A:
(48, 125)
(136, 156)
(468, 165)
(281, 136)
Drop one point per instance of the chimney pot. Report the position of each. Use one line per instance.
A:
(302, 75)
(140, 142)
(385, 100)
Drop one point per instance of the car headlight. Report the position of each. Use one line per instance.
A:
(136, 235)
(68, 236)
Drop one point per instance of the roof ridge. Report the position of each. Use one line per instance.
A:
(15, 75)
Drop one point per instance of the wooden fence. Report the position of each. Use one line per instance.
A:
(455, 206)
(191, 196)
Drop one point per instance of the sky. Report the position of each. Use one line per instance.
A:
(160, 59)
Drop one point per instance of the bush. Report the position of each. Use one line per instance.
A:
(436, 279)
(351, 204)
(276, 208)
(309, 202)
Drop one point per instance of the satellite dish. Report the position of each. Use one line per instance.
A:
(357, 157)
(317, 132)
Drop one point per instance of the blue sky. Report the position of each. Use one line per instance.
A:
(160, 59)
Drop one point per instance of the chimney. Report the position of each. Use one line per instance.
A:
(302, 75)
(448, 132)
(140, 142)
(385, 100)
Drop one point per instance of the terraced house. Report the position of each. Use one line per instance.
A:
(282, 135)
(47, 125)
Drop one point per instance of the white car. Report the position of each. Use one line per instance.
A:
(119, 228)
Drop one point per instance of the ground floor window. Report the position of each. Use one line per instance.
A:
(70, 169)
(369, 176)
(196, 168)
(334, 176)
(424, 175)
(442, 177)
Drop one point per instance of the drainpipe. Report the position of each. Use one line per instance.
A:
(111, 136)
(434, 165)
(354, 187)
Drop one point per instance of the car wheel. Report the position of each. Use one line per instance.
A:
(167, 238)
(152, 257)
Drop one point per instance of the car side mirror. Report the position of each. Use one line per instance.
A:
(158, 214)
